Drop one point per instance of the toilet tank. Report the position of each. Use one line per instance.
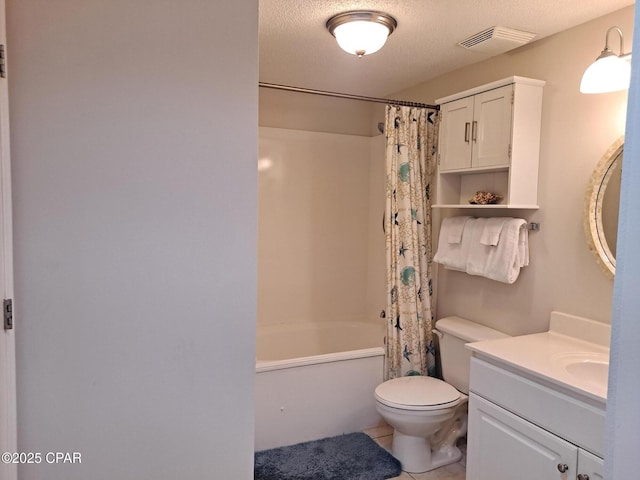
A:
(453, 333)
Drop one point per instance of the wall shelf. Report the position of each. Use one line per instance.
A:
(493, 206)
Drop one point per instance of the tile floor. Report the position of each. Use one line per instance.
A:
(456, 471)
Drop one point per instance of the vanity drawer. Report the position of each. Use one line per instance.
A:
(571, 418)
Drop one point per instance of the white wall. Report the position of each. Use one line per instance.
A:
(134, 145)
(313, 243)
(576, 131)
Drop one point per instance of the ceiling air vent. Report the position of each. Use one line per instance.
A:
(496, 40)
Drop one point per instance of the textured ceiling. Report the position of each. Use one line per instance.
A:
(296, 49)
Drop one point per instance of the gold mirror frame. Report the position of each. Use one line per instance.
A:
(593, 208)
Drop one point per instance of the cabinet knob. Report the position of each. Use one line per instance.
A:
(583, 476)
(563, 467)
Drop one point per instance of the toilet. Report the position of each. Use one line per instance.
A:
(429, 415)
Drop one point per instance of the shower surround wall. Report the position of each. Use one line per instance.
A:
(320, 243)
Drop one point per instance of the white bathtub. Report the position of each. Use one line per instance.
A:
(315, 380)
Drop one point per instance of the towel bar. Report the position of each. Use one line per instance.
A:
(533, 226)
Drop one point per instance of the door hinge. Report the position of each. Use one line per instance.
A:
(513, 96)
(509, 151)
(438, 159)
(7, 309)
(3, 65)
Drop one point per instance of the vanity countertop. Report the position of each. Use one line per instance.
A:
(573, 355)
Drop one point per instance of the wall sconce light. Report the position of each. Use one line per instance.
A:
(361, 32)
(610, 72)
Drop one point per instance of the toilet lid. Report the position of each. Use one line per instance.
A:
(417, 393)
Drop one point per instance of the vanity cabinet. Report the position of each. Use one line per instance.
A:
(490, 140)
(590, 467)
(512, 447)
(520, 428)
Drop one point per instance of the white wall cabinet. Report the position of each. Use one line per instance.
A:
(490, 141)
(525, 430)
(476, 131)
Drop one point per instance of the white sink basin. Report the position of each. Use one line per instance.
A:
(588, 367)
(589, 370)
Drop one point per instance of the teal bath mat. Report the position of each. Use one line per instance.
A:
(354, 456)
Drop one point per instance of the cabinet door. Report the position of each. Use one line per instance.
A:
(455, 134)
(590, 465)
(503, 446)
(491, 127)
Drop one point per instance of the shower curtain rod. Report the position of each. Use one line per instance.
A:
(403, 103)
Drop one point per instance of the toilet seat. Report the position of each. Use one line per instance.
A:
(417, 393)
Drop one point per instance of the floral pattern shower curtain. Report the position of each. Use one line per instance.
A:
(411, 163)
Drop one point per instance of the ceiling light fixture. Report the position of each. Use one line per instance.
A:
(610, 72)
(361, 32)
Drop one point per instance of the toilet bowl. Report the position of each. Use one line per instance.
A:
(428, 414)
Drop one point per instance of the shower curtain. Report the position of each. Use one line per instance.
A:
(410, 164)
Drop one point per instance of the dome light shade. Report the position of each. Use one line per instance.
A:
(361, 32)
(361, 36)
(606, 74)
(610, 72)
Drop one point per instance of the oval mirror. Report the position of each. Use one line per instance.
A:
(601, 207)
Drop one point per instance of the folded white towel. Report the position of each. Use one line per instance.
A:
(493, 227)
(454, 255)
(478, 253)
(453, 227)
(503, 261)
(523, 246)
